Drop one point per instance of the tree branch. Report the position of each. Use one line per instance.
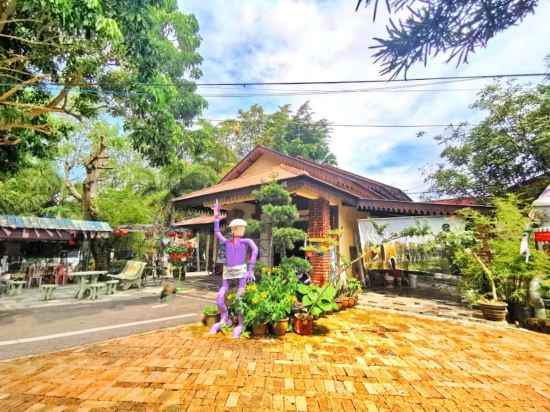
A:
(70, 187)
(19, 86)
(37, 127)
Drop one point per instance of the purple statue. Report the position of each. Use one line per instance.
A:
(235, 266)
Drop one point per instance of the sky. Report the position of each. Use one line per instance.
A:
(285, 40)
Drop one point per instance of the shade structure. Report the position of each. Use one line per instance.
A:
(50, 229)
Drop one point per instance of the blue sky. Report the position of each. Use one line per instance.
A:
(284, 40)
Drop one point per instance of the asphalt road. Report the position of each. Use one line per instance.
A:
(34, 331)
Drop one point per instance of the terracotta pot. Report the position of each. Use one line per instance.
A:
(493, 311)
(210, 320)
(280, 327)
(340, 303)
(309, 254)
(303, 326)
(260, 329)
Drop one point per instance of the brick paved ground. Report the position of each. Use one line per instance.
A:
(359, 360)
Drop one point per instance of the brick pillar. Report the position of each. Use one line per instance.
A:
(318, 227)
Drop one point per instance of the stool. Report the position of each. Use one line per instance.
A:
(47, 291)
(111, 286)
(15, 287)
(94, 289)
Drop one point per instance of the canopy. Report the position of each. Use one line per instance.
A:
(43, 228)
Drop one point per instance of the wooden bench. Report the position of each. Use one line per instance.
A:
(47, 291)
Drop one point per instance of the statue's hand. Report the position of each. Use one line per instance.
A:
(250, 276)
(216, 209)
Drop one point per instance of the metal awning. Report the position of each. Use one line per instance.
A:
(43, 228)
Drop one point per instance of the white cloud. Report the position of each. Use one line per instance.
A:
(289, 40)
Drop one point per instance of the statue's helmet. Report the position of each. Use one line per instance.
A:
(237, 222)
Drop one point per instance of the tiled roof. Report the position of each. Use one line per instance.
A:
(198, 220)
(351, 183)
(280, 172)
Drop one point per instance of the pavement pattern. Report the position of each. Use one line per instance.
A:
(365, 360)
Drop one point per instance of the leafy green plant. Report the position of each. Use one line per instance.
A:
(317, 300)
(545, 289)
(296, 264)
(211, 310)
(284, 238)
(354, 286)
(489, 258)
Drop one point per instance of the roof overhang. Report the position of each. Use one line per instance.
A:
(415, 208)
(244, 194)
(27, 228)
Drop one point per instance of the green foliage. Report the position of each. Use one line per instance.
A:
(317, 300)
(508, 150)
(273, 193)
(30, 191)
(295, 264)
(253, 228)
(545, 288)
(284, 238)
(210, 310)
(490, 249)
(295, 134)
(281, 216)
(270, 299)
(429, 28)
(354, 286)
(129, 59)
(126, 206)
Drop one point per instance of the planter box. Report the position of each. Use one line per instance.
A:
(493, 311)
(303, 326)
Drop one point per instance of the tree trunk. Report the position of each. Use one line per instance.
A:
(93, 166)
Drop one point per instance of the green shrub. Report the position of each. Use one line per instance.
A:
(211, 310)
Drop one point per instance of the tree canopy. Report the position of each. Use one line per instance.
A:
(132, 59)
(295, 134)
(441, 26)
(508, 150)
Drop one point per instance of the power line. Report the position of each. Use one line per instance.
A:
(417, 79)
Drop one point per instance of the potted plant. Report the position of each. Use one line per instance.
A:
(354, 286)
(303, 320)
(545, 294)
(492, 309)
(317, 301)
(211, 315)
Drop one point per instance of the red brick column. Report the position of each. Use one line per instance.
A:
(318, 227)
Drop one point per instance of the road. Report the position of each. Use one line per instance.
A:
(33, 331)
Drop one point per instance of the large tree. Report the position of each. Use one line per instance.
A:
(77, 58)
(427, 28)
(508, 150)
(295, 134)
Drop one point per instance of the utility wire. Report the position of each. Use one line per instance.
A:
(476, 77)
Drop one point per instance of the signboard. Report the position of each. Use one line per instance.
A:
(388, 248)
(542, 236)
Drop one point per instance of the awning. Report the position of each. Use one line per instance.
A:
(197, 221)
(43, 228)
(404, 208)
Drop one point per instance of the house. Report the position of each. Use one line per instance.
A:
(327, 198)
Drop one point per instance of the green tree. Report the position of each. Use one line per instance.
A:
(276, 203)
(508, 150)
(295, 134)
(80, 57)
(30, 191)
(428, 28)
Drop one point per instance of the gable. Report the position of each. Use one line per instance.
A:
(262, 159)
